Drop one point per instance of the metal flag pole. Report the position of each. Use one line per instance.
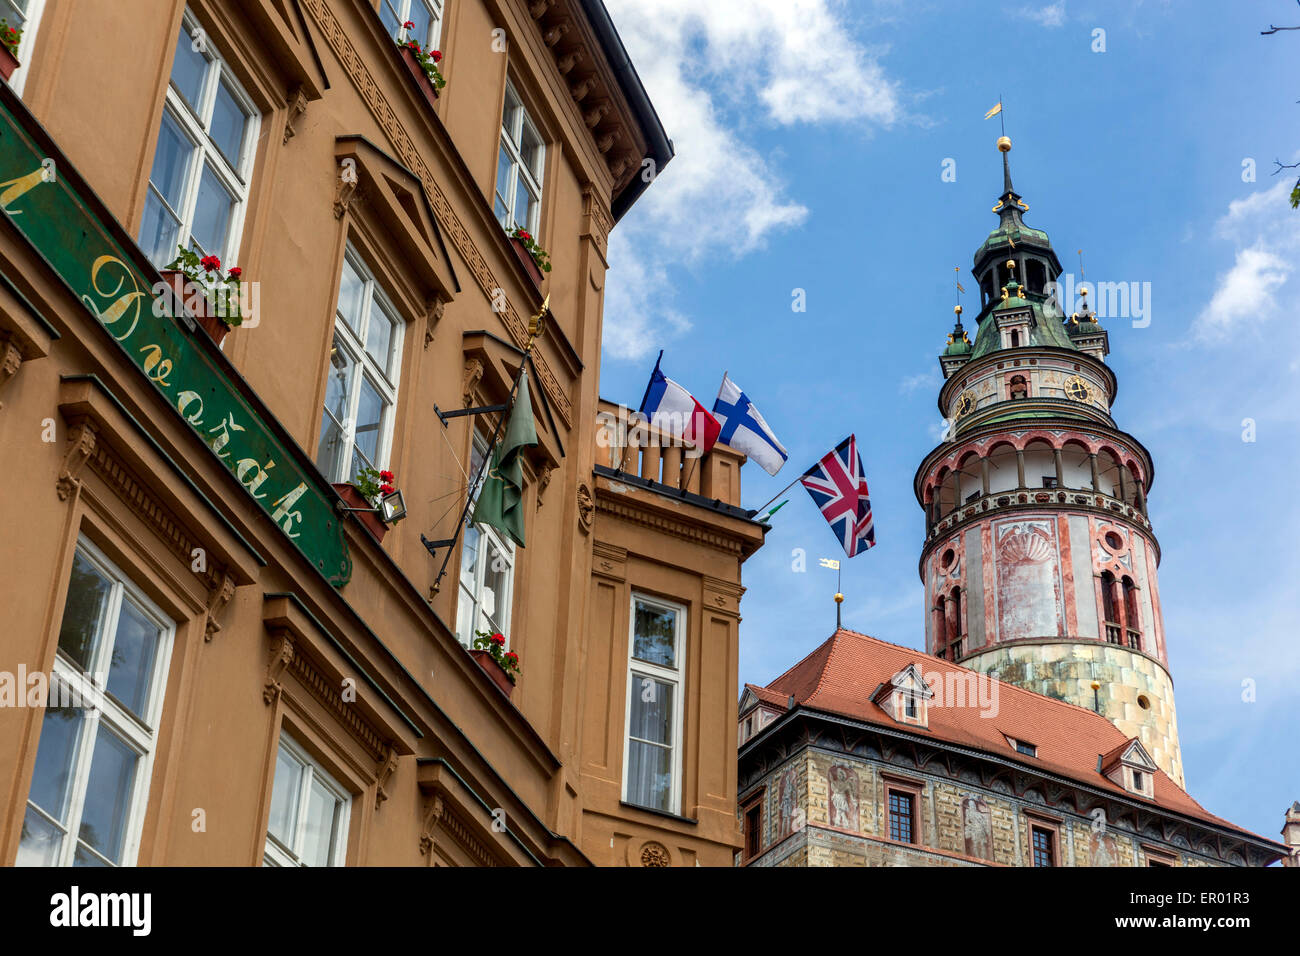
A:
(535, 326)
(778, 494)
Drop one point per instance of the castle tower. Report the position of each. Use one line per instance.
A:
(1039, 561)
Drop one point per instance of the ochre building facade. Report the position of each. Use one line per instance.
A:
(208, 662)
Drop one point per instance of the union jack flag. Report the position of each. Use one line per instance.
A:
(839, 488)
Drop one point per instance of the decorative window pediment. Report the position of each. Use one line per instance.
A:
(1130, 766)
(905, 697)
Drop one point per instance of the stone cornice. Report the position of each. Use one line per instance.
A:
(723, 533)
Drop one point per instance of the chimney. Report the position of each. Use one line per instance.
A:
(1291, 835)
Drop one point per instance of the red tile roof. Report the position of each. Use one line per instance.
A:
(840, 675)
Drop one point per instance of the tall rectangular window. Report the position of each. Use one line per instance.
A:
(753, 831)
(356, 428)
(425, 14)
(656, 669)
(1043, 841)
(902, 816)
(95, 757)
(518, 196)
(308, 824)
(198, 185)
(487, 571)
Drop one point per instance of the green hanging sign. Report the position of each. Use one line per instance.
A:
(60, 224)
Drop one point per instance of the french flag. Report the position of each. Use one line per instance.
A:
(674, 410)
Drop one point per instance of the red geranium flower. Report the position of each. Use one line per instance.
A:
(210, 263)
(386, 475)
(386, 489)
(408, 25)
(498, 638)
(436, 56)
(512, 655)
(236, 272)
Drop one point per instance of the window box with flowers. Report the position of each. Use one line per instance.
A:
(497, 662)
(215, 298)
(531, 256)
(10, 37)
(423, 65)
(368, 496)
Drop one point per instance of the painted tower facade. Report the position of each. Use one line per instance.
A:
(1039, 561)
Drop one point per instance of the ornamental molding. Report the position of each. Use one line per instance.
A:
(410, 155)
(11, 359)
(297, 108)
(81, 445)
(326, 692)
(630, 512)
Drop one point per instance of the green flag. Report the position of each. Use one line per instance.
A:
(500, 503)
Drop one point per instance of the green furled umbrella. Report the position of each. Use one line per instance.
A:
(500, 503)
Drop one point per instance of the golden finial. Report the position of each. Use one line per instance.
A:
(537, 322)
(1004, 144)
(957, 309)
(1096, 685)
(839, 598)
(1011, 264)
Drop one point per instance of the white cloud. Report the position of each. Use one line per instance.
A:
(1050, 16)
(930, 380)
(711, 67)
(1266, 233)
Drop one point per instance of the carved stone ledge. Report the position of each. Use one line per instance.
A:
(281, 658)
(434, 309)
(568, 61)
(543, 480)
(433, 812)
(594, 115)
(580, 89)
(538, 8)
(346, 191)
(221, 588)
(81, 445)
(473, 375)
(11, 358)
(556, 33)
(387, 767)
(297, 108)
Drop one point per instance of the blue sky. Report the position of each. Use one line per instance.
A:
(811, 137)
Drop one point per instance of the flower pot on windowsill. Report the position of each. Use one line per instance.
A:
(493, 670)
(421, 78)
(353, 498)
(205, 317)
(526, 260)
(8, 63)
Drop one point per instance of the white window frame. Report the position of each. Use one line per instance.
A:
(372, 297)
(195, 129)
(510, 141)
(276, 853)
(670, 675)
(402, 10)
(31, 23)
(140, 735)
(506, 548)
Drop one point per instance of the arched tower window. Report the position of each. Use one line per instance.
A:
(1109, 610)
(957, 629)
(1015, 338)
(1132, 621)
(940, 626)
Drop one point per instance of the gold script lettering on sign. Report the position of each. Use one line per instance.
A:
(155, 366)
(19, 185)
(123, 302)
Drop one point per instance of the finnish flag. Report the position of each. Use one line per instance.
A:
(744, 429)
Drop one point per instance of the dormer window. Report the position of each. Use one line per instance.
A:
(1131, 767)
(905, 697)
(1022, 746)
